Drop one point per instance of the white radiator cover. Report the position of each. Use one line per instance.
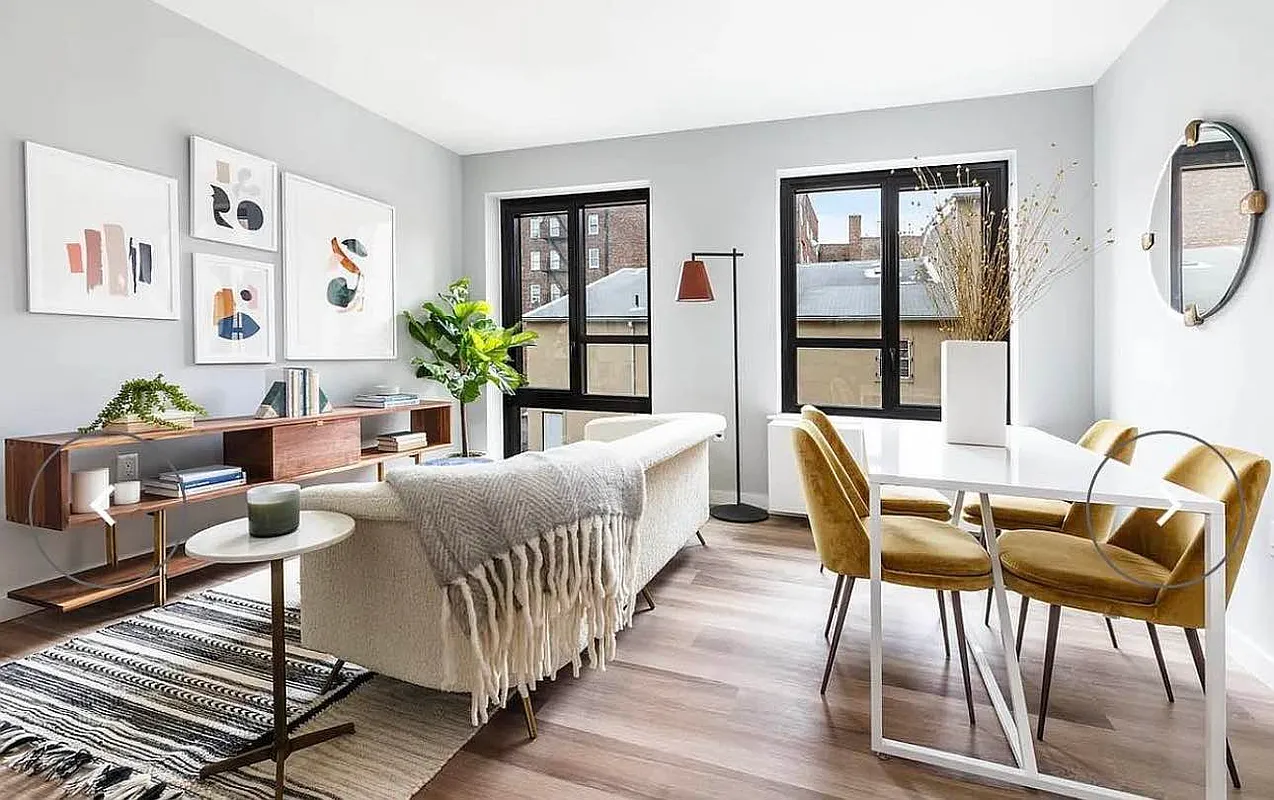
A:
(785, 482)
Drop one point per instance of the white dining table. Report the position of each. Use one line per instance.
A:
(1032, 464)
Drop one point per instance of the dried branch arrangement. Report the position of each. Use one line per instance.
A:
(989, 270)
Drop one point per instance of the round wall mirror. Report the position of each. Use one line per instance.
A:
(1204, 220)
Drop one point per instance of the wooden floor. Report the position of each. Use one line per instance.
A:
(715, 695)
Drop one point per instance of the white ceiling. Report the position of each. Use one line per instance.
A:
(501, 74)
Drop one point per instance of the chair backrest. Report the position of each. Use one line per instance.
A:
(839, 535)
(1178, 544)
(857, 480)
(1107, 437)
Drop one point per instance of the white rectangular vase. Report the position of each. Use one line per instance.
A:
(975, 382)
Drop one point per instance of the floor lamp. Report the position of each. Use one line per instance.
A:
(696, 287)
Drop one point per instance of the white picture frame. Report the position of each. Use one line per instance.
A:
(101, 237)
(339, 263)
(234, 196)
(235, 312)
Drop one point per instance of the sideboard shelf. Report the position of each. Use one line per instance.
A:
(288, 449)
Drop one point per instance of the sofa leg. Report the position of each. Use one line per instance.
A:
(644, 594)
(528, 713)
(330, 684)
(699, 534)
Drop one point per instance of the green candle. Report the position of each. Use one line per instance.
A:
(274, 510)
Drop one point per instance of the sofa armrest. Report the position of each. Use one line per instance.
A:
(653, 440)
(608, 429)
(367, 500)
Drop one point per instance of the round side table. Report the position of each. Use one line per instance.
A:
(229, 543)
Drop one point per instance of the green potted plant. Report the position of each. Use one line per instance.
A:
(145, 404)
(466, 348)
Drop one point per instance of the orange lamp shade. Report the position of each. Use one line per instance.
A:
(695, 286)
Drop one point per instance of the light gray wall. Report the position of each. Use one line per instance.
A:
(1194, 60)
(717, 188)
(128, 81)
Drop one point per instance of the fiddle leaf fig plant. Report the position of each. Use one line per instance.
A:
(145, 399)
(466, 348)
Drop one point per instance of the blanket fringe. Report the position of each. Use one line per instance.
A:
(78, 772)
(574, 582)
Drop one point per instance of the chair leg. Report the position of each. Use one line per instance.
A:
(1196, 651)
(701, 539)
(1110, 628)
(1050, 650)
(840, 625)
(942, 615)
(1021, 623)
(831, 610)
(1163, 668)
(957, 611)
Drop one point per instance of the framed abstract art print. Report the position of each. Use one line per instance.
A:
(338, 274)
(101, 238)
(234, 196)
(234, 309)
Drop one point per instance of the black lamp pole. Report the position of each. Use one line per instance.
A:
(738, 511)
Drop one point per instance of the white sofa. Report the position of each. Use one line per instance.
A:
(373, 600)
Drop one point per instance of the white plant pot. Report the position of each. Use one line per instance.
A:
(975, 381)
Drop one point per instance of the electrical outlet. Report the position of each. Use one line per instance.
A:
(126, 467)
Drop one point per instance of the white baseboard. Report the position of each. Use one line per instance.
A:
(1245, 652)
(720, 496)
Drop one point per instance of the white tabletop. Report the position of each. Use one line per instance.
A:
(1033, 464)
(229, 542)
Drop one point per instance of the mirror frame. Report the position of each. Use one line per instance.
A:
(1253, 205)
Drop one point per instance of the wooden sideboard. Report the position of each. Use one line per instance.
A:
(291, 449)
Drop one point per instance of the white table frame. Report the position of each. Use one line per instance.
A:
(1012, 714)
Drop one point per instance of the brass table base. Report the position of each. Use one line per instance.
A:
(282, 744)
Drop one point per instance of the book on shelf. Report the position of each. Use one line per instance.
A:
(299, 394)
(164, 489)
(402, 440)
(198, 474)
(385, 401)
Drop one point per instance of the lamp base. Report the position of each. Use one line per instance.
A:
(739, 512)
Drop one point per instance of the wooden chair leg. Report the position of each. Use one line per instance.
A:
(1110, 628)
(1021, 622)
(942, 615)
(1196, 652)
(1163, 668)
(840, 625)
(958, 612)
(831, 610)
(1050, 650)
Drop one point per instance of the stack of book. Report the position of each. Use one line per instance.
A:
(302, 392)
(400, 441)
(391, 400)
(194, 481)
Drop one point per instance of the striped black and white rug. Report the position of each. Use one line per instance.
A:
(132, 711)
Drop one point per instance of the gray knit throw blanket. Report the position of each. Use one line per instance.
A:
(534, 554)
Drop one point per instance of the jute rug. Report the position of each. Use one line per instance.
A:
(131, 711)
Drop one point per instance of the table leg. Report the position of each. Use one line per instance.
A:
(1214, 720)
(282, 746)
(877, 634)
(1017, 696)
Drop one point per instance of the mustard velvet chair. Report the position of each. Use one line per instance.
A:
(893, 499)
(915, 551)
(1063, 569)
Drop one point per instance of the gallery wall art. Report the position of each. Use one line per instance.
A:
(233, 196)
(234, 309)
(101, 238)
(338, 273)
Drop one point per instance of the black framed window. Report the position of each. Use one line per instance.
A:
(862, 320)
(576, 271)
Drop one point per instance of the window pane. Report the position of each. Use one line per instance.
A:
(925, 218)
(544, 429)
(838, 263)
(838, 377)
(615, 300)
(619, 369)
(543, 307)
